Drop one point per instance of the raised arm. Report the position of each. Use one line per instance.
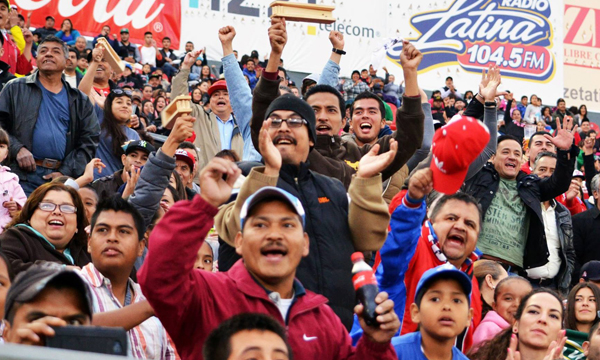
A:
(566, 153)
(87, 83)
(428, 131)
(331, 71)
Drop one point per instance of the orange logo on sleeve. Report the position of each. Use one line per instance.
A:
(323, 200)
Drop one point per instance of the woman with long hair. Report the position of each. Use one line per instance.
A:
(535, 335)
(582, 112)
(582, 314)
(50, 227)
(67, 33)
(205, 73)
(115, 132)
(197, 96)
(488, 274)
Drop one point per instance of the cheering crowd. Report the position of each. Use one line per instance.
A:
(229, 234)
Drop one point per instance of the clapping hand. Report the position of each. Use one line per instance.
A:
(269, 152)
(373, 163)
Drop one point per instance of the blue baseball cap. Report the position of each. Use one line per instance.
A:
(272, 193)
(446, 271)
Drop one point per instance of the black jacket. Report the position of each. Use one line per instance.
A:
(108, 186)
(172, 56)
(19, 105)
(328, 269)
(586, 232)
(532, 190)
(24, 248)
(567, 252)
(6, 75)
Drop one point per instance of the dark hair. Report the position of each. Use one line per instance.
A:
(5, 140)
(156, 102)
(560, 100)
(449, 78)
(54, 39)
(91, 188)
(523, 97)
(21, 17)
(502, 138)
(117, 204)
(355, 72)
(110, 125)
(148, 33)
(459, 196)
(544, 110)
(505, 281)
(181, 193)
(482, 268)
(368, 95)
(281, 68)
(166, 38)
(434, 92)
(543, 154)
(189, 145)
(468, 92)
(11, 273)
(218, 343)
(496, 348)
(173, 192)
(320, 88)
(70, 23)
(571, 318)
(228, 153)
(250, 60)
(36, 197)
(73, 50)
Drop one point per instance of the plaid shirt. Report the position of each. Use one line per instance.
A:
(149, 340)
(351, 91)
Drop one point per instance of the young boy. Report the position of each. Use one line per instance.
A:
(116, 240)
(442, 311)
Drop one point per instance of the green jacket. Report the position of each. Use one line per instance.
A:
(573, 349)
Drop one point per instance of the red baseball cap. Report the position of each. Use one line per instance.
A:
(219, 85)
(454, 148)
(187, 156)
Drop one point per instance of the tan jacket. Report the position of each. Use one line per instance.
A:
(208, 139)
(368, 215)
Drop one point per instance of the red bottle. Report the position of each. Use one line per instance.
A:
(366, 287)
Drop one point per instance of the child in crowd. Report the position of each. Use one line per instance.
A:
(13, 196)
(507, 297)
(582, 315)
(442, 310)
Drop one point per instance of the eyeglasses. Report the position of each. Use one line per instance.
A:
(121, 92)
(291, 123)
(65, 208)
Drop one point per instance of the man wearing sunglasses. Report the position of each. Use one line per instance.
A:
(52, 127)
(336, 226)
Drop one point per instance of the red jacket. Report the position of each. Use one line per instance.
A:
(12, 56)
(575, 205)
(191, 303)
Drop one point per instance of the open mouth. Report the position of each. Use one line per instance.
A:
(455, 239)
(56, 223)
(323, 128)
(284, 140)
(511, 165)
(221, 103)
(273, 253)
(365, 127)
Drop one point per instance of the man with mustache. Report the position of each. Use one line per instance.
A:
(57, 132)
(336, 226)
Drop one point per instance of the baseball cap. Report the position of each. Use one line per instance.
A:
(293, 103)
(29, 283)
(185, 155)
(445, 271)
(219, 85)
(49, 17)
(124, 30)
(578, 174)
(143, 145)
(154, 76)
(454, 148)
(437, 98)
(129, 66)
(271, 193)
(590, 271)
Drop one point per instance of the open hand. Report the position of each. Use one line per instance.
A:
(386, 317)
(269, 152)
(489, 83)
(215, 189)
(88, 174)
(564, 138)
(372, 164)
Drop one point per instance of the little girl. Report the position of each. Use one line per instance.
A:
(13, 197)
(507, 297)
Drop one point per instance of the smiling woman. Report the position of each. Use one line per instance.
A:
(50, 227)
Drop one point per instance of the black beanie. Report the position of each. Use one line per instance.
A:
(291, 102)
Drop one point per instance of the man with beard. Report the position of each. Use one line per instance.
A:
(57, 132)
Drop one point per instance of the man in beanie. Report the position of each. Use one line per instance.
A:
(336, 226)
(217, 129)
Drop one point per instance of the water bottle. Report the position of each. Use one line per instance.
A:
(366, 287)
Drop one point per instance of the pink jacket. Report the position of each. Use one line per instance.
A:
(9, 188)
(190, 303)
(490, 326)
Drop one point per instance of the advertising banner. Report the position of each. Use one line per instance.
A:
(162, 17)
(582, 53)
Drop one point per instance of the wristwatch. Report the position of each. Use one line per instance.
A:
(338, 51)
(490, 104)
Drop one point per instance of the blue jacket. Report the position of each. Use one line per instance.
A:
(409, 347)
(252, 77)
(74, 33)
(240, 97)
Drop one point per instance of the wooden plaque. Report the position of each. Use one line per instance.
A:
(111, 56)
(322, 14)
(181, 105)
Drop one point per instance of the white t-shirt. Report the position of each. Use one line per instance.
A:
(550, 270)
(72, 80)
(148, 55)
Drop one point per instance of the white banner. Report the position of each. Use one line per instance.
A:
(458, 38)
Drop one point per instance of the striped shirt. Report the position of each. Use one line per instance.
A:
(149, 340)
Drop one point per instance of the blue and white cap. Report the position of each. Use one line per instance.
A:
(447, 271)
(272, 193)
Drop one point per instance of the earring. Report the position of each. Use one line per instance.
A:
(514, 330)
(493, 288)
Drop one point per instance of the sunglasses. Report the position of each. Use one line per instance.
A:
(121, 92)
